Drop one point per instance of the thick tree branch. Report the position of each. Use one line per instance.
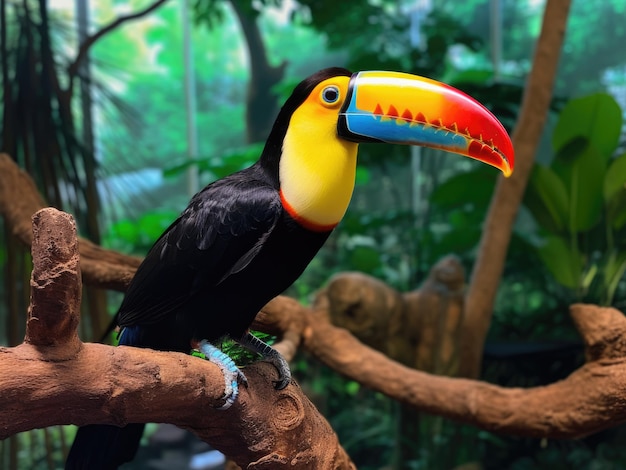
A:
(54, 378)
(552, 411)
(70, 386)
(19, 200)
(508, 195)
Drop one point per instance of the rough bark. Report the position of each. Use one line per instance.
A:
(66, 381)
(420, 329)
(553, 411)
(54, 378)
(508, 195)
(61, 381)
(19, 200)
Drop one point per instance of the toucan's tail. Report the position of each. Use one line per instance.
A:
(103, 446)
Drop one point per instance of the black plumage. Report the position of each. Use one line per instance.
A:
(246, 238)
(232, 250)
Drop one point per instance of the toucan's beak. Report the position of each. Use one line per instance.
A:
(406, 109)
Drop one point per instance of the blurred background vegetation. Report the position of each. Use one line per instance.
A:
(184, 94)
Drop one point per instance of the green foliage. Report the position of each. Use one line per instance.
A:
(578, 200)
(597, 118)
(548, 198)
(138, 235)
(213, 12)
(149, 83)
(564, 263)
(222, 165)
(614, 192)
(557, 456)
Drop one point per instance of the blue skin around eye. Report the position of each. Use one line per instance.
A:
(334, 95)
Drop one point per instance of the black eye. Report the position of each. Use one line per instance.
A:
(330, 94)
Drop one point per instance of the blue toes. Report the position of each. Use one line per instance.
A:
(232, 374)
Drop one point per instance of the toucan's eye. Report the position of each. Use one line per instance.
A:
(330, 94)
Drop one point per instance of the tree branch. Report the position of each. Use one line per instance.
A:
(60, 380)
(19, 200)
(551, 411)
(509, 192)
(67, 381)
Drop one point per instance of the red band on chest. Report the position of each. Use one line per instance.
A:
(307, 224)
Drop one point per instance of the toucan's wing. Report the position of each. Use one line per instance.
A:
(218, 235)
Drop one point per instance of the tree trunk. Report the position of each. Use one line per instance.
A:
(261, 102)
(509, 192)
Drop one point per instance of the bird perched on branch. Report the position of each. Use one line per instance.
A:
(247, 237)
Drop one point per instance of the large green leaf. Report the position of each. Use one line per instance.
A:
(582, 168)
(363, 176)
(125, 230)
(474, 187)
(615, 180)
(616, 210)
(615, 192)
(547, 200)
(614, 270)
(597, 117)
(564, 262)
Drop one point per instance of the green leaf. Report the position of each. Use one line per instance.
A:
(454, 242)
(615, 179)
(563, 262)
(616, 210)
(152, 224)
(365, 258)
(589, 276)
(582, 169)
(474, 187)
(547, 200)
(363, 175)
(126, 230)
(474, 75)
(613, 272)
(352, 387)
(596, 117)
(615, 192)
(176, 170)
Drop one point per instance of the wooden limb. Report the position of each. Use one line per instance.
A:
(287, 327)
(508, 195)
(420, 329)
(589, 400)
(19, 200)
(72, 382)
(54, 378)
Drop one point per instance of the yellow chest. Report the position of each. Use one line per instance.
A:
(317, 172)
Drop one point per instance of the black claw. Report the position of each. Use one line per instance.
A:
(282, 383)
(271, 355)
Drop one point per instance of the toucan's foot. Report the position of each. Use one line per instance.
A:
(251, 342)
(232, 374)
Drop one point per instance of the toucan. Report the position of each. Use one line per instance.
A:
(247, 237)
